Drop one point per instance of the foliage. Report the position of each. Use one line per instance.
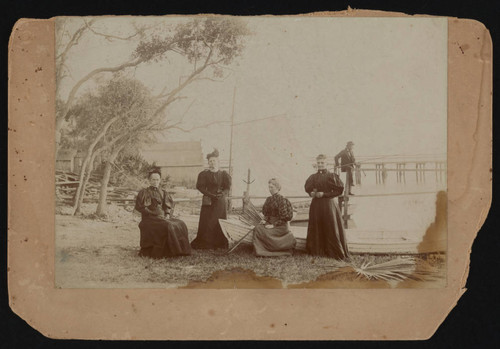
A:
(122, 112)
(213, 37)
(130, 170)
(216, 41)
(393, 270)
(382, 268)
(126, 99)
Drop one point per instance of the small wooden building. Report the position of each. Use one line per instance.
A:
(65, 160)
(71, 160)
(79, 157)
(182, 161)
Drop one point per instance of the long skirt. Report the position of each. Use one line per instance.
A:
(164, 238)
(210, 235)
(325, 232)
(273, 242)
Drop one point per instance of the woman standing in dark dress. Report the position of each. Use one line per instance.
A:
(161, 235)
(214, 185)
(325, 232)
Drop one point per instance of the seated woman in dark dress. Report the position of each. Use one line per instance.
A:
(161, 235)
(273, 237)
(325, 232)
(214, 185)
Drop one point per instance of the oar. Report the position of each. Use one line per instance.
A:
(239, 242)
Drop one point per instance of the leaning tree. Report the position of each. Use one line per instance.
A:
(208, 45)
(103, 121)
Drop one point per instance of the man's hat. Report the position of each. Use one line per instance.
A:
(350, 143)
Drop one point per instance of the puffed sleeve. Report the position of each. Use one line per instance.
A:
(226, 182)
(142, 201)
(335, 186)
(310, 183)
(201, 184)
(139, 202)
(285, 211)
(266, 209)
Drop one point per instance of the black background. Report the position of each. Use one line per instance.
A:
(474, 322)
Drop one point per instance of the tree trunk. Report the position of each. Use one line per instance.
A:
(80, 190)
(103, 194)
(90, 150)
(85, 182)
(102, 207)
(78, 200)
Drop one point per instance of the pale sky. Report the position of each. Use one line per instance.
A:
(380, 82)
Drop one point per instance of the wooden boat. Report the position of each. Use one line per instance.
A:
(358, 241)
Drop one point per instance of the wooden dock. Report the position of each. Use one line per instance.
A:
(420, 168)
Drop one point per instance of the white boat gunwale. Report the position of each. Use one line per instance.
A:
(234, 230)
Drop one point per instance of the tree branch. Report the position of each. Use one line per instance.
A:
(61, 58)
(110, 37)
(74, 40)
(94, 72)
(171, 94)
(187, 130)
(209, 79)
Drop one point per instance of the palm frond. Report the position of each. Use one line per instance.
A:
(251, 215)
(398, 269)
(394, 270)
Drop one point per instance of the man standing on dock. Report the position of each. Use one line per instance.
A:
(348, 162)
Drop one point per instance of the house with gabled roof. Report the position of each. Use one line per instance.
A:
(180, 161)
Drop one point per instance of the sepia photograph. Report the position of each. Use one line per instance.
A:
(251, 152)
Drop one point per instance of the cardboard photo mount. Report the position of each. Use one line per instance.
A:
(320, 314)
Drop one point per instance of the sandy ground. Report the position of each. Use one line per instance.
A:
(94, 253)
(99, 254)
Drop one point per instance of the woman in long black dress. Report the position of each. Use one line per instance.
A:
(214, 185)
(325, 232)
(272, 237)
(161, 235)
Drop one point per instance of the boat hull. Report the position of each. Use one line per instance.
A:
(358, 241)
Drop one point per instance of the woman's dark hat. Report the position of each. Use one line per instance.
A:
(154, 170)
(214, 154)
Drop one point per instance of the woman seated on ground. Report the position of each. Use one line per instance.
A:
(325, 232)
(161, 235)
(273, 237)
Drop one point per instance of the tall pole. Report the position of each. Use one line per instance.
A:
(347, 190)
(248, 183)
(231, 139)
(231, 149)
(246, 194)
